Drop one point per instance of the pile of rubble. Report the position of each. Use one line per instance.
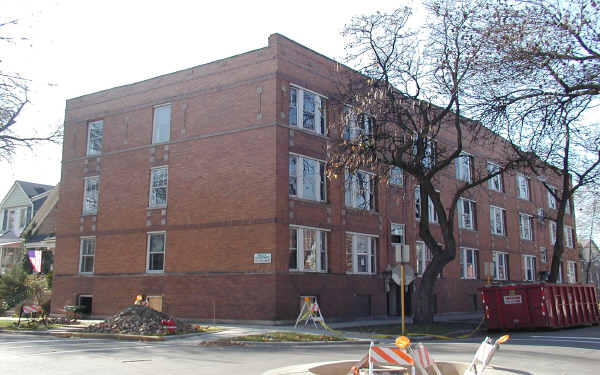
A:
(141, 320)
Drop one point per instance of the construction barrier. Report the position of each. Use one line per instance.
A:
(31, 309)
(484, 355)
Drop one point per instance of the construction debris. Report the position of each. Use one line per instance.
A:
(141, 320)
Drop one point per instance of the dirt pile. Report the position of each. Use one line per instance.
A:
(141, 320)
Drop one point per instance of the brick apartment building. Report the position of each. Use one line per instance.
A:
(204, 189)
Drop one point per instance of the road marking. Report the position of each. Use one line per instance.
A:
(40, 341)
(91, 350)
(568, 337)
(558, 340)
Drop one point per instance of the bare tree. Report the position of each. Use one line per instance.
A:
(13, 99)
(407, 114)
(538, 80)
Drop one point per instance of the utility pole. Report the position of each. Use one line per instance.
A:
(589, 266)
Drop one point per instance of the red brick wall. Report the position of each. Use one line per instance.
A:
(228, 199)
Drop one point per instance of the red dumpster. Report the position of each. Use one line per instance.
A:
(539, 306)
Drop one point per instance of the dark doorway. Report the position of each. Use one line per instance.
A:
(86, 304)
(394, 300)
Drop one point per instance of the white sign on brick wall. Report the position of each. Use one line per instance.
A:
(260, 258)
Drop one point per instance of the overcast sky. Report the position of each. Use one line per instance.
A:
(79, 47)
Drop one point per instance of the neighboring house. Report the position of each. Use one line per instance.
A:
(39, 234)
(588, 250)
(22, 202)
(205, 190)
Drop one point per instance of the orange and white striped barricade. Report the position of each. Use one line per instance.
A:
(383, 355)
(423, 359)
(484, 355)
(30, 309)
(392, 356)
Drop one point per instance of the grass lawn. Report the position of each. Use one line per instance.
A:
(25, 326)
(436, 329)
(285, 336)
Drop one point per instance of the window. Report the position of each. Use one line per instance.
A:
(494, 183)
(522, 187)
(360, 253)
(11, 220)
(543, 255)
(357, 126)
(306, 178)
(466, 214)
(396, 177)
(307, 110)
(94, 145)
(551, 198)
(568, 207)
(568, 237)
(422, 256)
(463, 167)
(428, 159)
(433, 218)
(359, 190)
(497, 221)
(22, 217)
(90, 195)
(552, 230)
(397, 233)
(308, 249)
(469, 261)
(559, 278)
(499, 265)
(158, 187)
(528, 268)
(525, 226)
(86, 254)
(155, 260)
(161, 128)
(571, 272)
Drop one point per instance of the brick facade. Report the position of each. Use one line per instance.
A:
(227, 158)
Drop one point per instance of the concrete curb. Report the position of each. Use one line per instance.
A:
(294, 343)
(118, 336)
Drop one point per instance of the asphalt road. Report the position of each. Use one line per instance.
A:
(573, 351)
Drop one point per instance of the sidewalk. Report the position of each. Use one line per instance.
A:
(231, 330)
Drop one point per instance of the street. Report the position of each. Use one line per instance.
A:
(573, 351)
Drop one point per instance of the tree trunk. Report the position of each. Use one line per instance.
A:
(424, 301)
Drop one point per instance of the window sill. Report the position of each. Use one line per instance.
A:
(160, 142)
(467, 229)
(305, 271)
(499, 235)
(156, 207)
(155, 272)
(304, 200)
(361, 273)
(89, 214)
(363, 211)
(306, 131)
(93, 155)
(86, 273)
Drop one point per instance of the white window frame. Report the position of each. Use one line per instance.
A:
(464, 264)
(552, 231)
(356, 126)
(525, 227)
(550, 198)
(433, 218)
(568, 233)
(88, 209)
(543, 255)
(559, 279)
(82, 241)
(371, 254)
(493, 220)
(160, 132)
(568, 207)
(152, 200)
(499, 263)
(320, 253)
(522, 187)
(396, 176)
(320, 114)
(164, 251)
(423, 257)
(352, 190)
(494, 183)
(571, 272)
(91, 138)
(529, 268)
(463, 165)
(428, 160)
(320, 185)
(466, 220)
